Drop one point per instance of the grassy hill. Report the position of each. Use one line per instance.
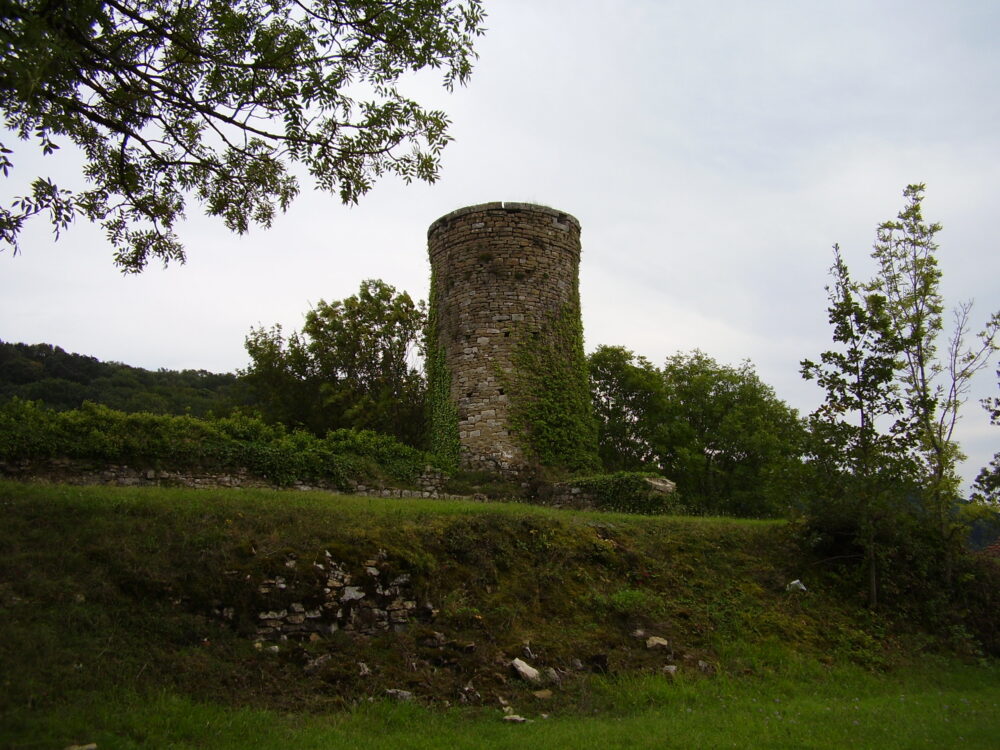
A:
(141, 617)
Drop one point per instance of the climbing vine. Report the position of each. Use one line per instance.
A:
(551, 408)
(442, 416)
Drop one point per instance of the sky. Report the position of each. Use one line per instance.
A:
(713, 152)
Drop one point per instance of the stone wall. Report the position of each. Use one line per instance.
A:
(503, 273)
(76, 471)
(305, 599)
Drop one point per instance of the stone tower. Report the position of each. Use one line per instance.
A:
(506, 369)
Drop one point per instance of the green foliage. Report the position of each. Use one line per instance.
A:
(95, 432)
(633, 415)
(933, 386)
(42, 372)
(721, 434)
(860, 474)
(551, 410)
(349, 368)
(442, 416)
(882, 454)
(735, 445)
(628, 492)
(221, 101)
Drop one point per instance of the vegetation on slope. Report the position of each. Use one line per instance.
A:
(110, 587)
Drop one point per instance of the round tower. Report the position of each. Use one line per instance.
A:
(507, 374)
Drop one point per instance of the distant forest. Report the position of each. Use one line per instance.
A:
(47, 373)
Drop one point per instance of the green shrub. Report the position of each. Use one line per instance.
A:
(28, 430)
(628, 492)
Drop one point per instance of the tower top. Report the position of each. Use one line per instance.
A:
(559, 217)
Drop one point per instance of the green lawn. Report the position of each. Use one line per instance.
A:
(943, 705)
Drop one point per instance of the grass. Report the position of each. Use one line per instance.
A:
(110, 600)
(947, 705)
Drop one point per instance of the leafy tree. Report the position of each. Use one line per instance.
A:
(717, 431)
(630, 406)
(859, 469)
(736, 445)
(883, 452)
(934, 389)
(220, 101)
(351, 366)
(280, 382)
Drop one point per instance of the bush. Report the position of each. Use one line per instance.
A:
(28, 430)
(628, 492)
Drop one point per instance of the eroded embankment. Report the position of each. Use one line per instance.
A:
(311, 600)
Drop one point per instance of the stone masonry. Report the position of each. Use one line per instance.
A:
(503, 272)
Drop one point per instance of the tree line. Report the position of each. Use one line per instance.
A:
(64, 380)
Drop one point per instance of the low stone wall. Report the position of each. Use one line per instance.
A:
(76, 471)
(568, 495)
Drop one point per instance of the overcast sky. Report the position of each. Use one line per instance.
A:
(713, 152)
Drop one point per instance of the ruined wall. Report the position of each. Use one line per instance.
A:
(89, 472)
(504, 287)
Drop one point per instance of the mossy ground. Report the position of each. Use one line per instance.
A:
(115, 590)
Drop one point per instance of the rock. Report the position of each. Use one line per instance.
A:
(514, 719)
(577, 665)
(638, 633)
(705, 668)
(670, 670)
(796, 585)
(661, 485)
(526, 672)
(542, 694)
(352, 593)
(399, 695)
(552, 675)
(654, 641)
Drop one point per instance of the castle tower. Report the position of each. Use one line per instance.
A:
(507, 374)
